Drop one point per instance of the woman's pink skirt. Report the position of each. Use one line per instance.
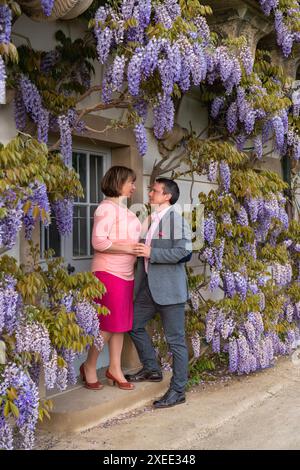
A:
(119, 301)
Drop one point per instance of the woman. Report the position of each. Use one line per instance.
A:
(115, 233)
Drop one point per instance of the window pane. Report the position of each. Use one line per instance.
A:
(80, 247)
(79, 165)
(92, 211)
(96, 174)
(51, 238)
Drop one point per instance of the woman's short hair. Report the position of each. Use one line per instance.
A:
(114, 180)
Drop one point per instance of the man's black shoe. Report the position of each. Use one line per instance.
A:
(144, 375)
(171, 398)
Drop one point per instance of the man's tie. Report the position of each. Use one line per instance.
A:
(153, 226)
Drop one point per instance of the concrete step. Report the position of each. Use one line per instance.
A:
(78, 409)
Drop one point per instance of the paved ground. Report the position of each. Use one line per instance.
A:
(261, 411)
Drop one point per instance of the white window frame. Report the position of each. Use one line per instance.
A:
(66, 242)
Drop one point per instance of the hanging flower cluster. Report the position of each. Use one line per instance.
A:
(176, 60)
(238, 232)
(11, 220)
(286, 19)
(26, 402)
(34, 343)
(10, 305)
(38, 202)
(2, 81)
(63, 210)
(245, 118)
(5, 34)
(47, 6)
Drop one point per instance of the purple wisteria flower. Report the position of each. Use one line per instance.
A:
(216, 343)
(5, 24)
(214, 280)
(20, 111)
(233, 355)
(195, 299)
(118, 72)
(47, 6)
(10, 305)
(141, 138)
(225, 175)
(218, 254)
(38, 198)
(27, 402)
(104, 39)
(63, 210)
(163, 115)
(241, 284)
(196, 343)
(213, 171)
(217, 105)
(232, 118)
(65, 139)
(87, 319)
(247, 59)
(34, 338)
(211, 320)
(134, 72)
(2, 82)
(209, 228)
(229, 283)
(11, 223)
(226, 219)
(242, 217)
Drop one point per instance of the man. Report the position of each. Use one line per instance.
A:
(161, 287)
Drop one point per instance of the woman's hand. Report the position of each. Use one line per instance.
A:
(140, 249)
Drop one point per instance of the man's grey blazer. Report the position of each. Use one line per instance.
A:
(167, 278)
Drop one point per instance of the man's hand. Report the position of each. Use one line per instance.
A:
(141, 249)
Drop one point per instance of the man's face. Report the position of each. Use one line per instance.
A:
(157, 196)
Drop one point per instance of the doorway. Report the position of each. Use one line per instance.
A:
(76, 249)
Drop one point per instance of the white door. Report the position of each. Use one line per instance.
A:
(76, 248)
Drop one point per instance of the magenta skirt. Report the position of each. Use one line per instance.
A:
(119, 301)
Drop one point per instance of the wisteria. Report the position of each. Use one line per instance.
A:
(141, 138)
(235, 238)
(225, 175)
(5, 24)
(10, 305)
(38, 199)
(63, 210)
(2, 81)
(181, 61)
(47, 6)
(286, 19)
(213, 171)
(32, 101)
(210, 228)
(88, 320)
(65, 138)
(11, 223)
(196, 344)
(27, 402)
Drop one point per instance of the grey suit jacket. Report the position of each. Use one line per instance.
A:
(167, 278)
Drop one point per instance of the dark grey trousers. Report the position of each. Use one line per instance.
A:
(172, 317)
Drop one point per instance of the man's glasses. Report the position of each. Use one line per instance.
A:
(152, 190)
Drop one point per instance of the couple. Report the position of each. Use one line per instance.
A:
(160, 282)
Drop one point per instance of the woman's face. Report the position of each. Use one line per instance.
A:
(128, 188)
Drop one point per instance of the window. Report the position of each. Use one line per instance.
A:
(90, 168)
